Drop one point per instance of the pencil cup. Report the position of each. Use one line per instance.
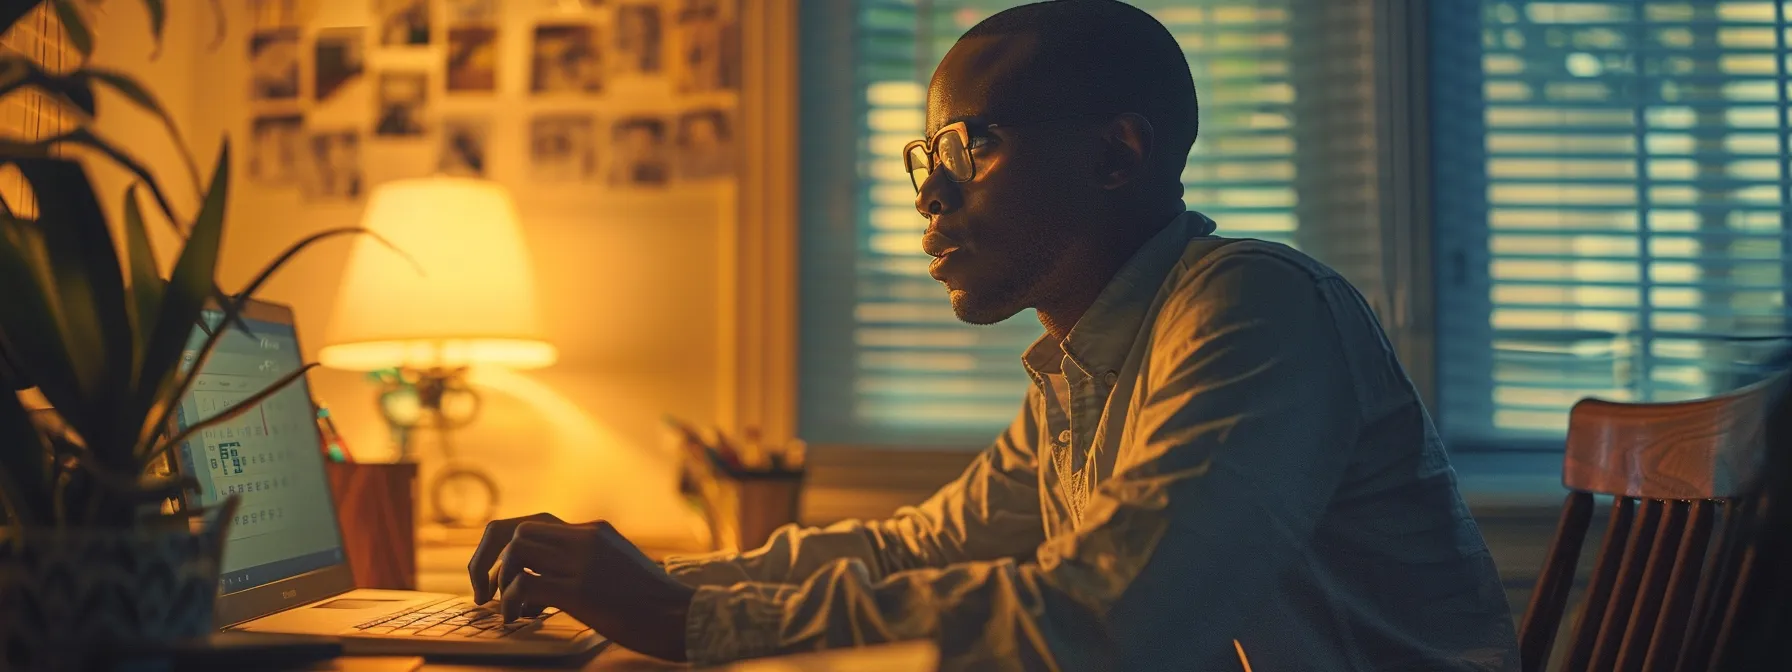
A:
(376, 507)
(750, 506)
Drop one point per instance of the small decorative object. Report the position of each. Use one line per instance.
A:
(98, 557)
(473, 305)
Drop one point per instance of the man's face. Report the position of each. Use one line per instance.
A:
(1001, 238)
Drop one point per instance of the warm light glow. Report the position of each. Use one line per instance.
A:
(473, 302)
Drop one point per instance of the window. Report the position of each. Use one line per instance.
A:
(1611, 199)
(884, 361)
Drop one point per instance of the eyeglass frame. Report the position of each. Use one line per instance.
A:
(929, 145)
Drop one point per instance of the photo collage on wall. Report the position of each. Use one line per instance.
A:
(629, 94)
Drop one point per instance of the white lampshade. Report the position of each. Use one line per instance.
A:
(473, 303)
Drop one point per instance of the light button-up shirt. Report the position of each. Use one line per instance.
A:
(1222, 454)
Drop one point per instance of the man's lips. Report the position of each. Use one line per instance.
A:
(937, 268)
(938, 245)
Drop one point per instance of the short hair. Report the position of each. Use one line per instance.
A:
(1105, 56)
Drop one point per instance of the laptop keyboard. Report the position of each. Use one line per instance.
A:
(452, 617)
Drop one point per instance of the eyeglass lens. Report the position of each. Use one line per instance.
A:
(953, 156)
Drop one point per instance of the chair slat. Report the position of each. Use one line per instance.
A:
(1677, 605)
(1625, 588)
(1652, 590)
(1543, 617)
(1601, 584)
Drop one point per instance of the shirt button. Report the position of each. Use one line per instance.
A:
(1112, 377)
(1064, 437)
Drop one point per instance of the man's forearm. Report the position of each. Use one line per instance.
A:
(990, 511)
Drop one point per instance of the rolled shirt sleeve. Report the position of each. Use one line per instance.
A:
(1237, 439)
(991, 511)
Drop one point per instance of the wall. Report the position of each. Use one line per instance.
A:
(628, 284)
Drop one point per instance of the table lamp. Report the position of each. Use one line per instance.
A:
(465, 298)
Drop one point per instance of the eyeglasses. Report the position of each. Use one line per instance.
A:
(951, 145)
(950, 148)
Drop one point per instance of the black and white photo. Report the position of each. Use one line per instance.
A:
(402, 99)
(338, 58)
(693, 10)
(274, 64)
(274, 148)
(334, 160)
(569, 6)
(638, 152)
(565, 59)
(472, 59)
(464, 141)
(273, 14)
(473, 12)
(563, 148)
(639, 47)
(705, 144)
(707, 54)
(402, 23)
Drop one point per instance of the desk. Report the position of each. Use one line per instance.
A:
(901, 657)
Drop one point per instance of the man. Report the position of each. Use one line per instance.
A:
(1219, 453)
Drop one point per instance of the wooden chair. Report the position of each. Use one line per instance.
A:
(1664, 584)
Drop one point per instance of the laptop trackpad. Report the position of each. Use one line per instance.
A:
(356, 603)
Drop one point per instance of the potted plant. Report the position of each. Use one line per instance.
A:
(96, 554)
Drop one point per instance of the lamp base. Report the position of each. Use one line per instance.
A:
(439, 399)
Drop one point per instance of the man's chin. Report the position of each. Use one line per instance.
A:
(976, 308)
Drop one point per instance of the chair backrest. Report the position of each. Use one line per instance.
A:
(1662, 587)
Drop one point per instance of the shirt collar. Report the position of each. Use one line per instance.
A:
(1102, 337)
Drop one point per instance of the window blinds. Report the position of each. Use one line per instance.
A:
(884, 361)
(1611, 204)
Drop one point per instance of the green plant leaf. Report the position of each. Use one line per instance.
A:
(134, 91)
(293, 250)
(192, 282)
(13, 10)
(146, 281)
(158, 20)
(90, 293)
(76, 26)
(222, 27)
(169, 392)
(33, 327)
(13, 150)
(18, 71)
(24, 465)
(228, 414)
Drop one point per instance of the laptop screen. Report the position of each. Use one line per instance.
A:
(269, 456)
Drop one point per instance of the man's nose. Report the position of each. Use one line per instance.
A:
(939, 195)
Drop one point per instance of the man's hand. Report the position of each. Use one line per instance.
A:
(588, 571)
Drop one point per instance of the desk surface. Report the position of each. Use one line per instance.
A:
(902, 657)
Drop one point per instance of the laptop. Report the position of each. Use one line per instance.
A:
(283, 566)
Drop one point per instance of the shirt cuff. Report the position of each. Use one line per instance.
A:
(733, 623)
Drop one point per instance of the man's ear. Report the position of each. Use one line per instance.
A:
(1126, 144)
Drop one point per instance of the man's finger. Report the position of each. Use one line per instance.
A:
(537, 591)
(497, 535)
(524, 552)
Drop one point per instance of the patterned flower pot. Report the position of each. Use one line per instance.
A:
(71, 596)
